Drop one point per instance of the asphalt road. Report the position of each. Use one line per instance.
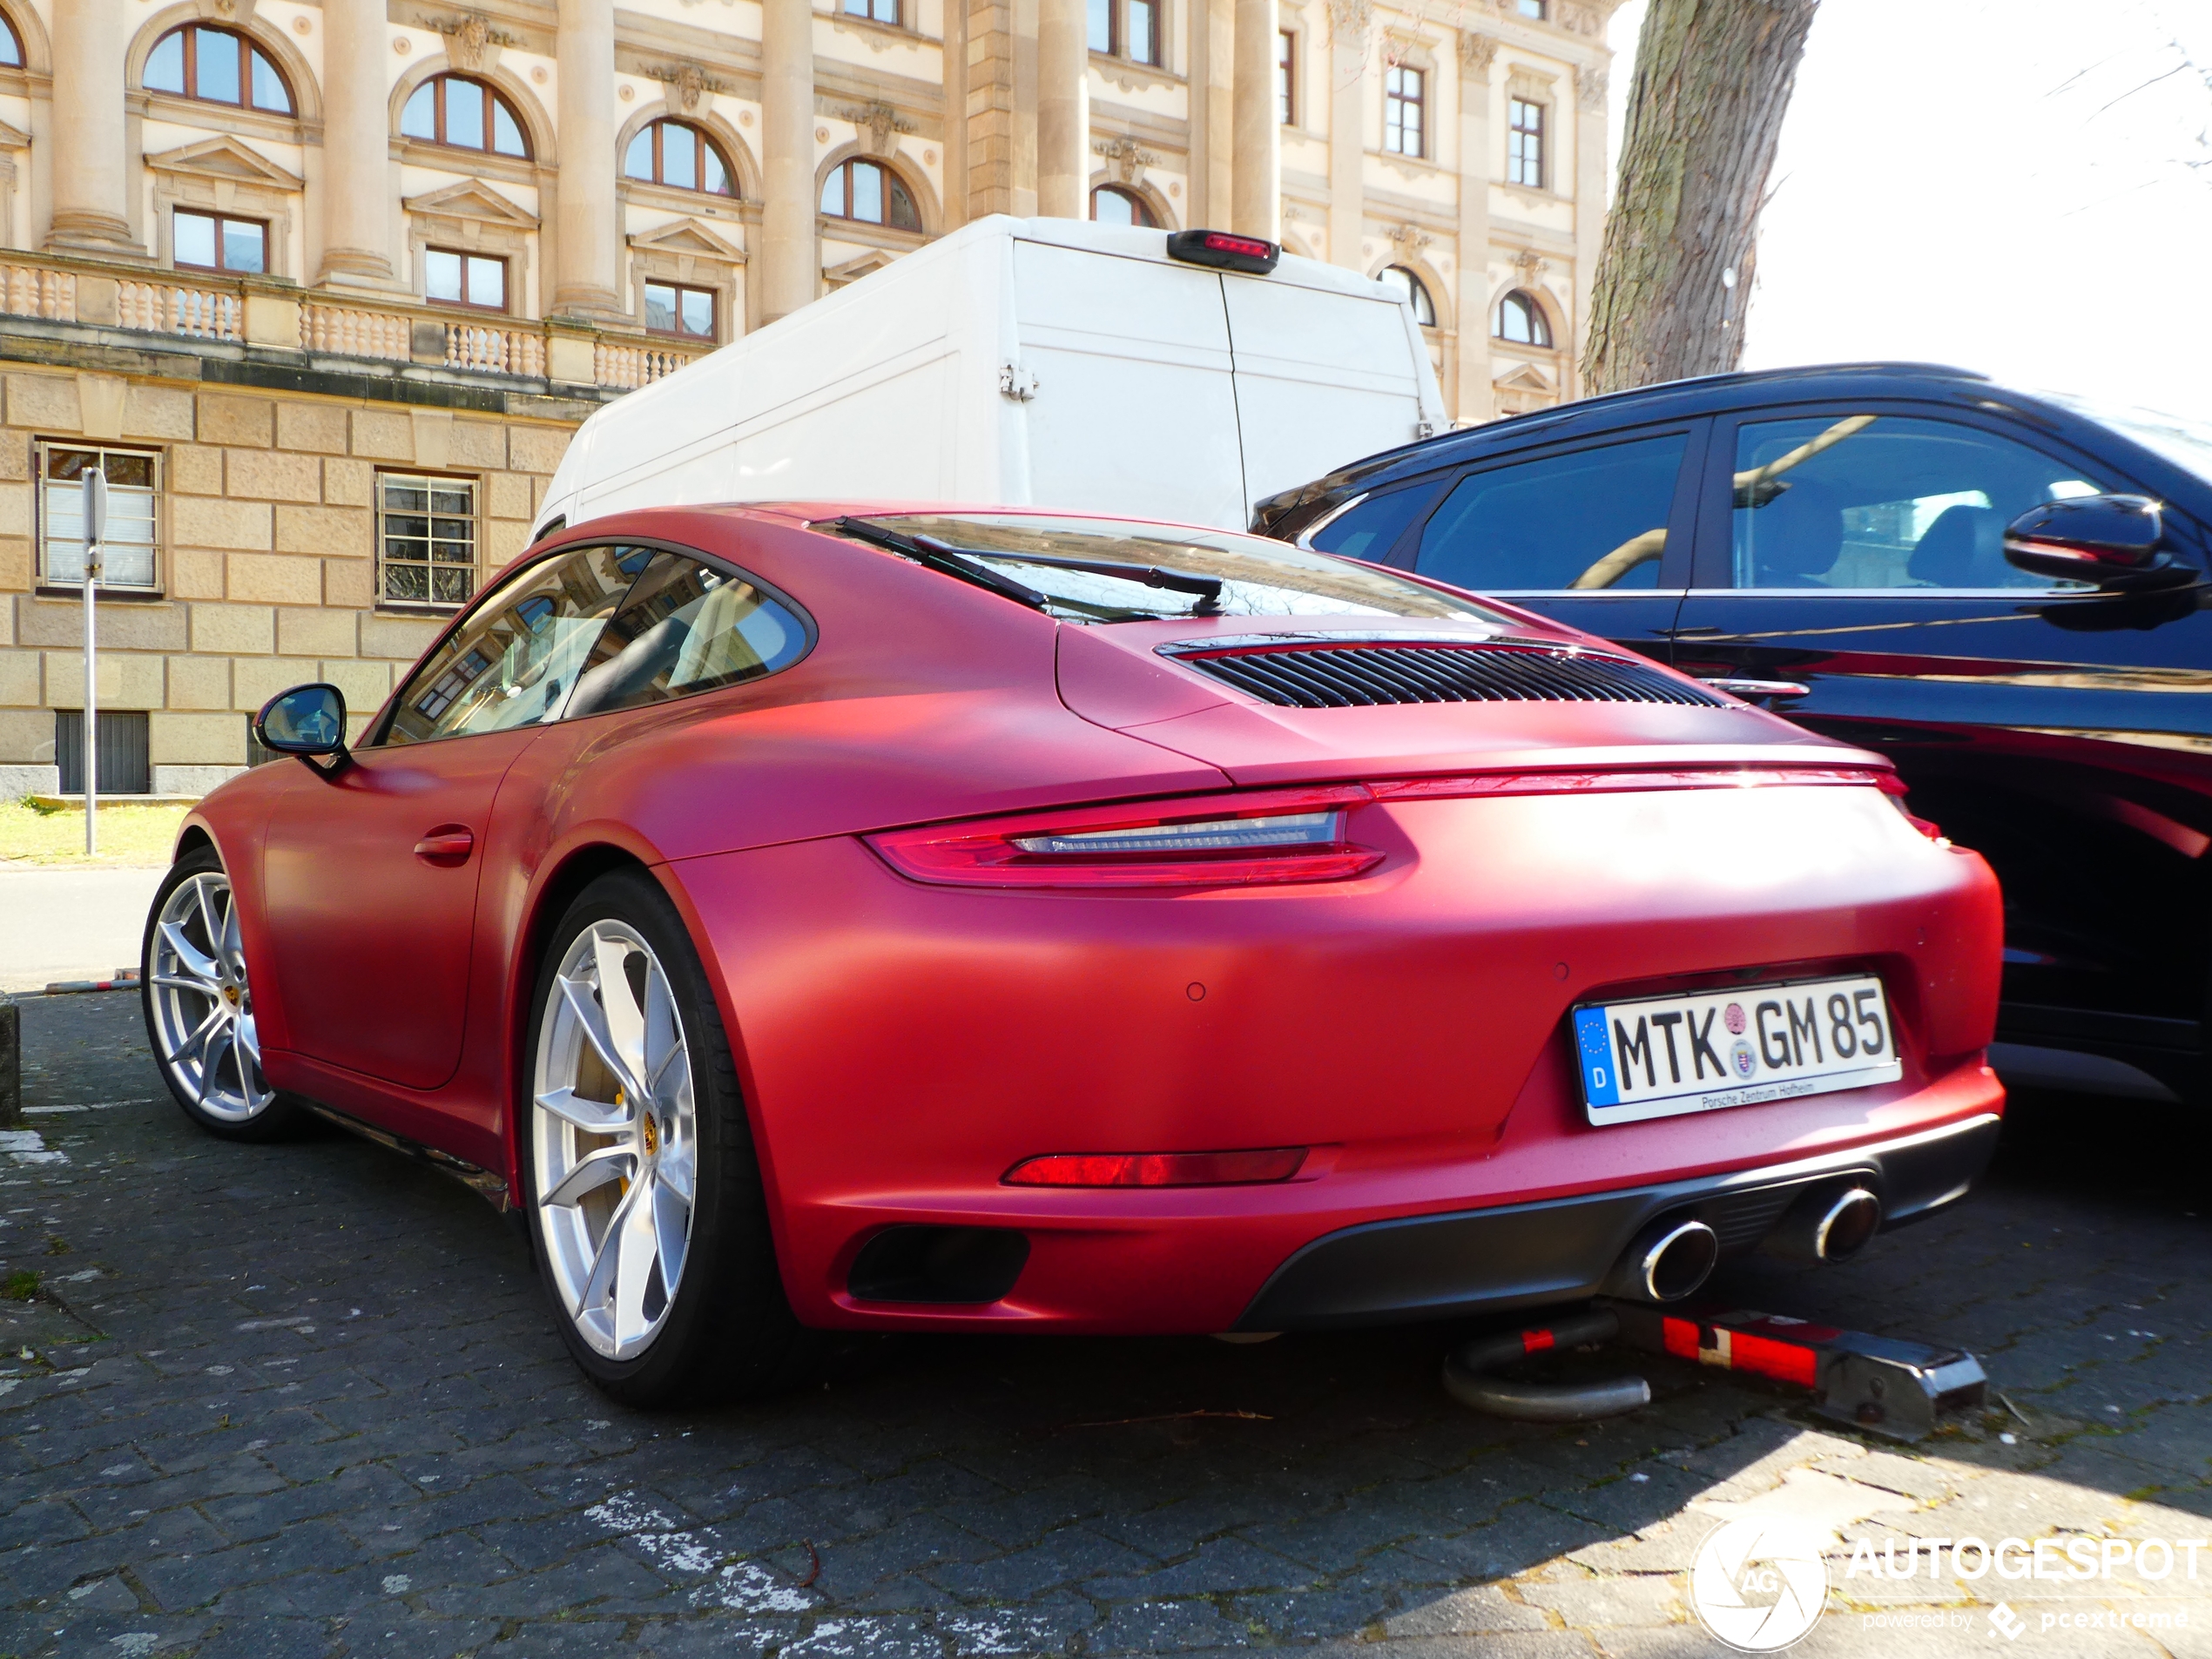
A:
(305, 1399)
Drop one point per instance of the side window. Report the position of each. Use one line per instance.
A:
(1884, 501)
(1596, 518)
(687, 628)
(1370, 529)
(518, 654)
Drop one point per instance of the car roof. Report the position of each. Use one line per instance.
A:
(1702, 395)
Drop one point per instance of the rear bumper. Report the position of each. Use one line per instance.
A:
(1526, 1255)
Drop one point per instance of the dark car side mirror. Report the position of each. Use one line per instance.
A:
(308, 721)
(2112, 541)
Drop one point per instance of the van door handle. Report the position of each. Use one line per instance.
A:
(448, 844)
(1752, 690)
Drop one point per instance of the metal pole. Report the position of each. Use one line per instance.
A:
(95, 534)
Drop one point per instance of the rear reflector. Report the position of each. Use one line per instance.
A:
(1158, 1169)
(1224, 252)
(1263, 838)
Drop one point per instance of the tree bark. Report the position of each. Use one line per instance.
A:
(1713, 79)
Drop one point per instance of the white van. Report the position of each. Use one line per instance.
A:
(1031, 362)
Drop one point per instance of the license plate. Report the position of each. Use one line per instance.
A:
(1658, 1056)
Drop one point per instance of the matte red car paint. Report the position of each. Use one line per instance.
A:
(903, 1045)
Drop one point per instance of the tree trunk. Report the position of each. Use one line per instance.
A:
(1712, 80)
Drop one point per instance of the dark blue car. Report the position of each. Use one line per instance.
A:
(2006, 594)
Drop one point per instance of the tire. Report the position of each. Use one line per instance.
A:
(688, 1307)
(198, 999)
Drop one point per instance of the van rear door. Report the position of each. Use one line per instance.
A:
(1322, 378)
(1133, 410)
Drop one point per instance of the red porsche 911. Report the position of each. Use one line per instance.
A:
(813, 918)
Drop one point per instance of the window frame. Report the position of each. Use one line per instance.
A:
(248, 49)
(865, 10)
(1534, 10)
(1540, 320)
(1117, 33)
(892, 177)
(13, 37)
(1518, 150)
(1419, 295)
(1396, 102)
(219, 220)
(1715, 569)
(374, 738)
(714, 335)
(431, 606)
(1146, 219)
(658, 128)
(1286, 57)
(42, 580)
(465, 254)
(437, 83)
(1679, 563)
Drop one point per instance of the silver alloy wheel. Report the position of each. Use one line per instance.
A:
(616, 1139)
(203, 1008)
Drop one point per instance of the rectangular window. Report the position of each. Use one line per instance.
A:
(671, 308)
(1286, 76)
(217, 242)
(457, 279)
(129, 558)
(119, 751)
(1525, 144)
(1403, 128)
(1537, 9)
(426, 539)
(1144, 31)
(1100, 15)
(876, 10)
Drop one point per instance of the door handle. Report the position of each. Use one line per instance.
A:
(1752, 690)
(448, 844)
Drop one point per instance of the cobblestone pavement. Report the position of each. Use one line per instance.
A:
(304, 1399)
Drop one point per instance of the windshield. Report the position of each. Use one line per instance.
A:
(2186, 443)
(1254, 576)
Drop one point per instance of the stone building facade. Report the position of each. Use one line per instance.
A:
(324, 287)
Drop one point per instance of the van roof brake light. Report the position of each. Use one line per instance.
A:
(1224, 251)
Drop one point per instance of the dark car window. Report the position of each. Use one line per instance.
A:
(1885, 501)
(687, 628)
(1592, 519)
(1369, 529)
(517, 656)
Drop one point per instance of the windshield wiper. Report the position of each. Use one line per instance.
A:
(951, 560)
(1152, 575)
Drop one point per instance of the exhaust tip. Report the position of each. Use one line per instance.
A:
(1827, 1225)
(1845, 1225)
(1666, 1261)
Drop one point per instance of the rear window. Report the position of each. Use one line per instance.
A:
(1256, 577)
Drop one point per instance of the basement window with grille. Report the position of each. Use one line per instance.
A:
(130, 561)
(425, 540)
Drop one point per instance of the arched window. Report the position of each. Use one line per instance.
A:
(1111, 204)
(464, 114)
(871, 193)
(678, 154)
(1522, 321)
(214, 65)
(1407, 286)
(10, 44)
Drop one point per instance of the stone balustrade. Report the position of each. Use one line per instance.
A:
(253, 311)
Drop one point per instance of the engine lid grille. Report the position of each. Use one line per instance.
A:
(1364, 673)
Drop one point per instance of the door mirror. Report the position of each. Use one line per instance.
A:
(308, 721)
(2111, 541)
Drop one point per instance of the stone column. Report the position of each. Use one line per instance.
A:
(587, 244)
(1471, 390)
(1348, 22)
(790, 266)
(92, 176)
(1063, 110)
(1213, 103)
(1256, 174)
(1589, 212)
(356, 143)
